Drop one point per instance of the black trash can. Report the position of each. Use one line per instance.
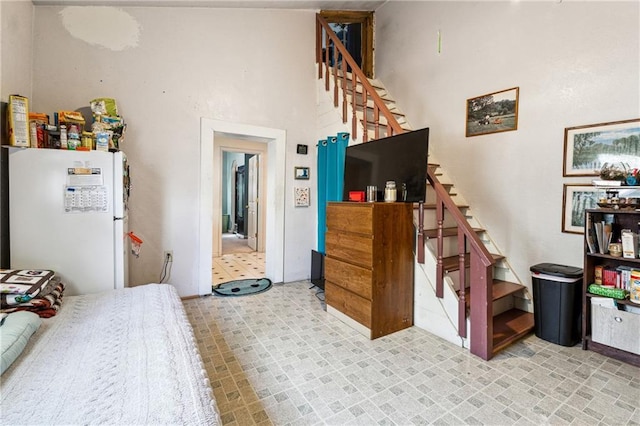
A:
(557, 303)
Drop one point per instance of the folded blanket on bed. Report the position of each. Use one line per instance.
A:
(46, 304)
(27, 282)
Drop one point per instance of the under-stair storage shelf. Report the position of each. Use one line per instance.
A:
(369, 266)
(610, 331)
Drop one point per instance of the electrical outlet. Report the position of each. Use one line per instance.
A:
(168, 255)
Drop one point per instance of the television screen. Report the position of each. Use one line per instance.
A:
(401, 158)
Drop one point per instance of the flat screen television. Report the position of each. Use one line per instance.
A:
(401, 158)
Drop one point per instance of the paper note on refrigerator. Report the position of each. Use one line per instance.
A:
(84, 176)
(86, 199)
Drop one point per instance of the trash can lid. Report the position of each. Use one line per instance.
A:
(557, 270)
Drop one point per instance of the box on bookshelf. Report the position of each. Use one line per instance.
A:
(629, 244)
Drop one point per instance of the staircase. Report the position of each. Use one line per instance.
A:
(465, 290)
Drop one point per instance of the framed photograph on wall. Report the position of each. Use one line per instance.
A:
(493, 112)
(302, 173)
(576, 198)
(587, 148)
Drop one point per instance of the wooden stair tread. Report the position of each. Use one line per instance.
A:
(499, 290)
(370, 106)
(432, 206)
(446, 185)
(451, 263)
(372, 126)
(446, 232)
(382, 94)
(374, 83)
(510, 326)
(505, 288)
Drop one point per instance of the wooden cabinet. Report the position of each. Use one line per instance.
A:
(369, 265)
(610, 331)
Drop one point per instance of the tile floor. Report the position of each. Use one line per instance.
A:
(238, 261)
(235, 266)
(278, 358)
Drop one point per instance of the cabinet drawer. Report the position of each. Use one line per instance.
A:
(348, 303)
(353, 248)
(350, 218)
(615, 328)
(350, 277)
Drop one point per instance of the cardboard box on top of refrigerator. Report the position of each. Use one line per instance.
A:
(18, 117)
(36, 122)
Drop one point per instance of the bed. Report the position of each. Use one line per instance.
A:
(121, 357)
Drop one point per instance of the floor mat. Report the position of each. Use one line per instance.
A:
(242, 287)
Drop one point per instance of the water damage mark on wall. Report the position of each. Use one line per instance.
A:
(106, 27)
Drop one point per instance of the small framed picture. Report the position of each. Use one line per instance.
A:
(302, 149)
(492, 113)
(302, 173)
(301, 197)
(576, 198)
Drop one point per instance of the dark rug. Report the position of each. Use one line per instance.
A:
(242, 287)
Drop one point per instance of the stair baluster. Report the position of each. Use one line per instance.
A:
(462, 299)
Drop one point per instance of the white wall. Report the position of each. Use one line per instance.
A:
(575, 63)
(16, 19)
(15, 48)
(168, 68)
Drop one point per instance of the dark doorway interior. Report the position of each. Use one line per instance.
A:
(355, 29)
(351, 37)
(241, 197)
(241, 200)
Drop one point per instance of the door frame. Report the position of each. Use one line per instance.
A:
(210, 210)
(254, 221)
(351, 17)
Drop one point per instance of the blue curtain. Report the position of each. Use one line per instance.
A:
(331, 153)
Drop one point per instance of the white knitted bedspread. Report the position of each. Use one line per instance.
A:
(125, 357)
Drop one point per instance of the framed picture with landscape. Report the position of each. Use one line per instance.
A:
(493, 112)
(576, 198)
(587, 148)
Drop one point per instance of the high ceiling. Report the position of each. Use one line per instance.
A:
(368, 5)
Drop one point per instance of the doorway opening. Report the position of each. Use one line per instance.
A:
(240, 206)
(212, 141)
(241, 238)
(355, 30)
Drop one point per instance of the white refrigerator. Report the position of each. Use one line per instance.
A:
(68, 213)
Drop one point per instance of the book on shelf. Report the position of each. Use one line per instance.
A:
(591, 244)
(603, 235)
(624, 273)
